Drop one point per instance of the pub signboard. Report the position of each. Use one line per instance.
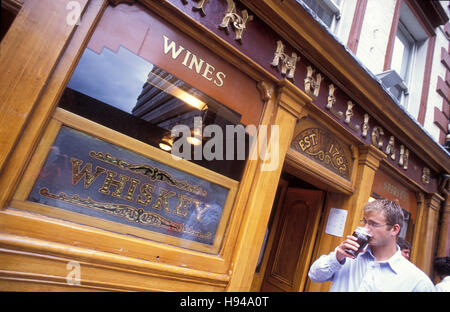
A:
(86, 175)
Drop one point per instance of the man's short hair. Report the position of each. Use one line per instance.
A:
(403, 244)
(442, 266)
(392, 210)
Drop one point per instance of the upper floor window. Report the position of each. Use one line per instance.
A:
(327, 10)
(403, 53)
(404, 73)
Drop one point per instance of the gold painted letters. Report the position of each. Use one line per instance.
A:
(312, 85)
(404, 156)
(426, 175)
(349, 115)
(365, 126)
(377, 132)
(331, 101)
(117, 189)
(390, 148)
(288, 63)
(238, 22)
(193, 62)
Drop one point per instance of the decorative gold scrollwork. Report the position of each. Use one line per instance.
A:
(129, 213)
(152, 173)
(201, 6)
(238, 22)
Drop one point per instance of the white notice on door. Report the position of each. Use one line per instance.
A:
(336, 222)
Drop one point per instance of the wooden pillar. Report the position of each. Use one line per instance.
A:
(428, 232)
(289, 107)
(443, 249)
(24, 73)
(415, 244)
(368, 162)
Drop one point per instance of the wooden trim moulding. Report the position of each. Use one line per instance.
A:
(112, 261)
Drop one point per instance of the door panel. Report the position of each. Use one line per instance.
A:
(294, 241)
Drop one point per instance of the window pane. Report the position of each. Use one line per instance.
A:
(403, 51)
(397, 56)
(125, 92)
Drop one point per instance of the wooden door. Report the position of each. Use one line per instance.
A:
(294, 241)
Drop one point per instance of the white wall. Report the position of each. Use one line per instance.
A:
(375, 34)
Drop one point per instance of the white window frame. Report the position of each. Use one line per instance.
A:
(405, 36)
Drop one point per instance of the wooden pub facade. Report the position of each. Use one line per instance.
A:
(92, 199)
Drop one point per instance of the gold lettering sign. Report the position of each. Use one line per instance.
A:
(321, 146)
(193, 62)
(85, 175)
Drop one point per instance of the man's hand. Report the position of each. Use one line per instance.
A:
(349, 243)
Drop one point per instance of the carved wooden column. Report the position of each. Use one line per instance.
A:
(428, 232)
(421, 209)
(443, 249)
(444, 233)
(289, 106)
(368, 163)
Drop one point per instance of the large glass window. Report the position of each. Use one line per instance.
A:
(141, 93)
(125, 92)
(142, 77)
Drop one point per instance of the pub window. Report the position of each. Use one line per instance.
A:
(125, 92)
(108, 152)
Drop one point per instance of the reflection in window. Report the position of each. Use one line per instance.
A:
(125, 92)
(112, 78)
